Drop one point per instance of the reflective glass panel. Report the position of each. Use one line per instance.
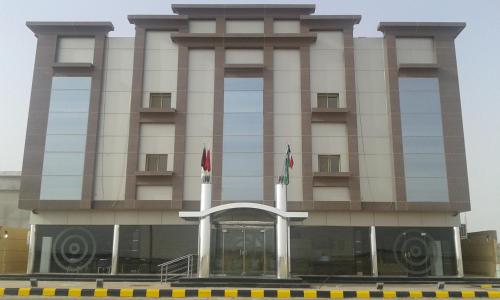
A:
(418, 84)
(420, 102)
(243, 84)
(73, 249)
(243, 144)
(426, 189)
(143, 248)
(243, 124)
(65, 143)
(423, 145)
(242, 164)
(67, 123)
(421, 125)
(416, 251)
(243, 101)
(71, 83)
(69, 101)
(59, 163)
(425, 165)
(61, 188)
(242, 188)
(322, 250)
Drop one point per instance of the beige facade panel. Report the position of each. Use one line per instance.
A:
(244, 56)
(156, 139)
(374, 134)
(287, 126)
(109, 188)
(202, 26)
(199, 120)
(107, 218)
(75, 50)
(154, 193)
(286, 26)
(415, 51)
(244, 26)
(331, 194)
(330, 139)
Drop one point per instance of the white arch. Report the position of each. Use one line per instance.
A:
(295, 216)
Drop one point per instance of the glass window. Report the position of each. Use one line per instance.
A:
(67, 123)
(421, 125)
(65, 143)
(412, 144)
(328, 100)
(420, 102)
(243, 144)
(243, 101)
(61, 188)
(59, 163)
(418, 84)
(73, 249)
(322, 250)
(160, 100)
(143, 248)
(243, 124)
(69, 101)
(424, 165)
(416, 251)
(71, 83)
(156, 162)
(329, 163)
(243, 84)
(242, 188)
(426, 189)
(242, 164)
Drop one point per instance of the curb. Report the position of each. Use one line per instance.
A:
(243, 293)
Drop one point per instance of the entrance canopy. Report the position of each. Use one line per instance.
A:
(196, 215)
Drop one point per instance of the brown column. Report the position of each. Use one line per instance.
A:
(31, 176)
(268, 105)
(93, 122)
(134, 127)
(352, 123)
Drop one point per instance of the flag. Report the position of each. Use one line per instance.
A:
(288, 165)
(207, 162)
(203, 158)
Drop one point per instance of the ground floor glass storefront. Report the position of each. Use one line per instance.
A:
(247, 248)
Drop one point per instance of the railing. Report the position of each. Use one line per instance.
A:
(183, 266)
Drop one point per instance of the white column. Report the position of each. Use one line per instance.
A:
(373, 250)
(281, 233)
(458, 251)
(204, 232)
(31, 249)
(114, 255)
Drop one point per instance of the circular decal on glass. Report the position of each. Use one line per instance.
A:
(413, 251)
(74, 249)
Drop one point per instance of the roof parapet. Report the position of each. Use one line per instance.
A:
(415, 27)
(37, 26)
(242, 9)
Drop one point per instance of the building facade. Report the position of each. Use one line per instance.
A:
(117, 126)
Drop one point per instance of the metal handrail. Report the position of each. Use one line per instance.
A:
(178, 267)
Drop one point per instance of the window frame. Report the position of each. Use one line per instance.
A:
(156, 161)
(328, 97)
(165, 100)
(330, 159)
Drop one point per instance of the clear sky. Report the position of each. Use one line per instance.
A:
(478, 52)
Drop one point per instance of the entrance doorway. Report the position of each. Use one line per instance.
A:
(244, 249)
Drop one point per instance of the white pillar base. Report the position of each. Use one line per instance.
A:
(204, 232)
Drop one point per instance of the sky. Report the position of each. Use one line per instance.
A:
(477, 48)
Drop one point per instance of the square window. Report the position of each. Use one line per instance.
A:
(160, 100)
(330, 100)
(329, 163)
(156, 162)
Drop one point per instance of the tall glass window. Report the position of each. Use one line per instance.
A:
(62, 173)
(416, 251)
(323, 250)
(242, 159)
(423, 145)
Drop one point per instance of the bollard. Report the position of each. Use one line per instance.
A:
(99, 283)
(33, 282)
(440, 285)
(379, 286)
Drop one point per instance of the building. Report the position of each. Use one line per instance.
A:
(117, 126)
(14, 224)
